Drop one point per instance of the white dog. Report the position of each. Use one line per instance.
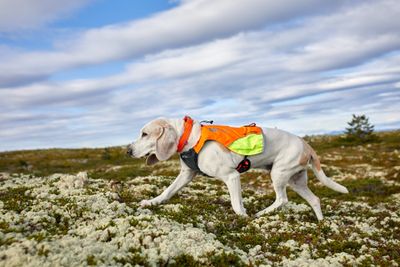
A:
(288, 154)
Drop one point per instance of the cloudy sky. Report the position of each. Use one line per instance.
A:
(92, 72)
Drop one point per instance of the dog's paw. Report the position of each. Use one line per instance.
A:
(242, 213)
(145, 203)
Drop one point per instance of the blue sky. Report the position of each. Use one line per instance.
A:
(90, 73)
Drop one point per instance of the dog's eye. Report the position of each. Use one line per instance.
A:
(144, 134)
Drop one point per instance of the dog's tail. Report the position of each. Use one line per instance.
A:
(319, 173)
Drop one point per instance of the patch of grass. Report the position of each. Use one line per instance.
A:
(6, 242)
(16, 198)
(129, 198)
(184, 260)
(372, 190)
(255, 180)
(389, 139)
(44, 162)
(390, 250)
(231, 229)
(91, 260)
(134, 259)
(38, 236)
(48, 161)
(61, 226)
(187, 214)
(4, 226)
(273, 244)
(339, 245)
(225, 260)
(43, 252)
(262, 200)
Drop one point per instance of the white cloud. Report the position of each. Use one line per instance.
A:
(190, 23)
(306, 77)
(30, 14)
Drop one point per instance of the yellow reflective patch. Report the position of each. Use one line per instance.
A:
(251, 144)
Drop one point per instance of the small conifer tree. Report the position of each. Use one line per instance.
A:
(360, 129)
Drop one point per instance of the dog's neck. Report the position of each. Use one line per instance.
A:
(194, 136)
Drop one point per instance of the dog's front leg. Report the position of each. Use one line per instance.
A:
(232, 181)
(184, 177)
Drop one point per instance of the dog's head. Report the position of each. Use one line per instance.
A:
(157, 141)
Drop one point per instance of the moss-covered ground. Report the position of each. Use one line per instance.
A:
(50, 215)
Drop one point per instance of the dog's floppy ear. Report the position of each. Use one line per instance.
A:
(166, 143)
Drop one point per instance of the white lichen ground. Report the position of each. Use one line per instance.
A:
(72, 220)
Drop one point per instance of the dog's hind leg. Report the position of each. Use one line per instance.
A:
(298, 183)
(279, 182)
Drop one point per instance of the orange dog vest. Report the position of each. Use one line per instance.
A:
(224, 135)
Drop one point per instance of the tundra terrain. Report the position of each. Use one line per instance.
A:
(77, 207)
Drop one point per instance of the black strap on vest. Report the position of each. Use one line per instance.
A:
(190, 158)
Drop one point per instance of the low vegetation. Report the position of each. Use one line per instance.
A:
(79, 207)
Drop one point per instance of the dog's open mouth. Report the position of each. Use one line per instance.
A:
(151, 159)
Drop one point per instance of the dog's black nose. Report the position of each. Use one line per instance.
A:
(129, 150)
